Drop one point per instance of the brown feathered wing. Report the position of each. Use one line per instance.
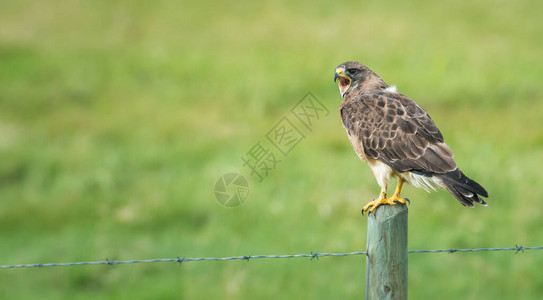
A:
(395, 130)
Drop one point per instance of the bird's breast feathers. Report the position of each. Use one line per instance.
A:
(357, 145)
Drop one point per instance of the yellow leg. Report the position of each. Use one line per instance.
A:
(395, 199)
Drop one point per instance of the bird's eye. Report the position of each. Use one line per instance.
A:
(352, 71)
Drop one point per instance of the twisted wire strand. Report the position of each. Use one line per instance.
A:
(517, 249)
(312, 255)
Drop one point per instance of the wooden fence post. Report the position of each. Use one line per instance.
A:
(386, 258)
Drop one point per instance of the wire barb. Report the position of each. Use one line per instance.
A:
(315, 255)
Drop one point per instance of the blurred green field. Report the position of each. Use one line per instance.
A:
(117, 118)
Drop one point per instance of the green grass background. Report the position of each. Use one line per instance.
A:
(117, 118)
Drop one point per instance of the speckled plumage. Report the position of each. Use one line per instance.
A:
(397, 137)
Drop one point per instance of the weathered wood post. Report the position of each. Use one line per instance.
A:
(386, 258)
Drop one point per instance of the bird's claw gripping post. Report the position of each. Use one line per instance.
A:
(383, 200)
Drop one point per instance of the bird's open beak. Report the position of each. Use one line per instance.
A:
(344, 81)
(336, 76)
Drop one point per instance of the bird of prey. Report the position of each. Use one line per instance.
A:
(397, 138)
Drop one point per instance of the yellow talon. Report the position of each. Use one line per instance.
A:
(395, 199)
(375, 203)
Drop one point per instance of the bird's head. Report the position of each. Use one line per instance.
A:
(349, 75)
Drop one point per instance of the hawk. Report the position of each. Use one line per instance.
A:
(397, 138)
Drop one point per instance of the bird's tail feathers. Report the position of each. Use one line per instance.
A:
(463, 188)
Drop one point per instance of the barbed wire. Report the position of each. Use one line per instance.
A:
(181, 260)
(517, 249)
(312, 255)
